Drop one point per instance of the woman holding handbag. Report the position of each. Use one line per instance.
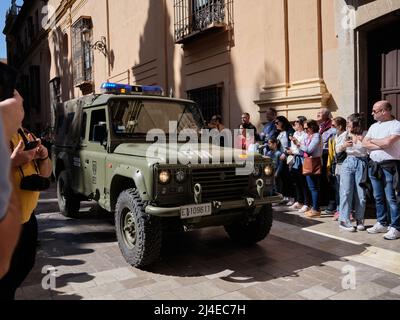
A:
(312, 166)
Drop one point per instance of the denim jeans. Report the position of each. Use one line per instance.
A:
(314, 186)
(337, 192)
(302, 192)
(385, 197)
(350, 190)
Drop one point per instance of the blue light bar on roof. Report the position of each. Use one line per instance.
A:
(117, 88)
(155, 90)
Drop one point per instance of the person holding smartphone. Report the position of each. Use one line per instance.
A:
(353, 171)
(11, 115)
(302, 196)
(31, 165)
(285, 129)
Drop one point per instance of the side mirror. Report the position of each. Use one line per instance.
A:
(99, 133)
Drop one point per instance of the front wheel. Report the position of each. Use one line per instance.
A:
(138, 234)
(68, 202)
(252, 230)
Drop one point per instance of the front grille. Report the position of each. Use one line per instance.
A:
(220, 184)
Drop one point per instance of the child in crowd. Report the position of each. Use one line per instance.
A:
(275, 154)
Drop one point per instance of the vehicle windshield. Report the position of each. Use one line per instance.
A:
(137, 117)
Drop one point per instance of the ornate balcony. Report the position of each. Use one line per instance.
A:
(194, 17)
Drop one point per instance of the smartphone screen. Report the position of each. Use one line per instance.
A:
(8, 79)
(31, 145)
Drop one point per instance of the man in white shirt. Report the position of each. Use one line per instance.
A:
(383, 143)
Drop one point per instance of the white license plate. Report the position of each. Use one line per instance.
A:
(197, 210)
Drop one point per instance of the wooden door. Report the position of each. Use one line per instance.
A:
(391, 79)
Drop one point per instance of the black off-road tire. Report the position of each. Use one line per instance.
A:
(140, 244)
(68, 202)
(251, 231)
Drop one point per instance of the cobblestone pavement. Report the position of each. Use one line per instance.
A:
(301, 259)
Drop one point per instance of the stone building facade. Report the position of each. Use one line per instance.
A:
(230, 56)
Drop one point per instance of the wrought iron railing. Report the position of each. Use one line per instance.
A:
(82, 51)
(194, 16)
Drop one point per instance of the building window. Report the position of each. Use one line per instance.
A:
(98, 117)
(34, 88)
(83, 126)
(209, 100)
(195, 16)
(55, 90)
(37, 23)
(31, 30)
(81, 51)
(24, 90)
(26, 43)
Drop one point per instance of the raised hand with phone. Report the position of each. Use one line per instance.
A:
(28, 149)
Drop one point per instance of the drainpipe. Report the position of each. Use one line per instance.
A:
(108, 36)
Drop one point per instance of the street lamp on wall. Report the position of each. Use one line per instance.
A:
(100, 45)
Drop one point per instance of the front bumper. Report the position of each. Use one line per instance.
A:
(217, 206)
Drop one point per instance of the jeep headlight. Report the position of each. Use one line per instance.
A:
(180, 176)
(164, 177)
(269, 170)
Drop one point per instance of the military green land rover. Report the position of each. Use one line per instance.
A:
(102, 152)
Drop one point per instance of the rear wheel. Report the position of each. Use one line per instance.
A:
(68, 202)
(138, 234)
(252, 230)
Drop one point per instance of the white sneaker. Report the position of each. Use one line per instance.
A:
(304, 209)
(346, 227)
(295, 206)
(393, 234)
(360, 226)
(377, 228)
(284, 201)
